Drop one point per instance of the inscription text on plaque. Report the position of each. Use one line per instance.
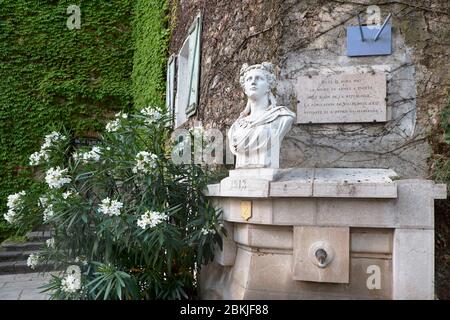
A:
(342, 98)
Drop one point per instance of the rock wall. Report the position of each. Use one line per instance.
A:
(309, 37)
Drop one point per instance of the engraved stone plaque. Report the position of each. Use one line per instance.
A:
(254, 187)
(343, 98)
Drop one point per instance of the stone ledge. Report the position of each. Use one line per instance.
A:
(304, 182)
(291, 189)
(354, 190)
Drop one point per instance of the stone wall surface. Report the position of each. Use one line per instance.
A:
(309, 37)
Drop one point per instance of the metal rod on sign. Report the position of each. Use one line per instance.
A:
(382, 27)
(360, 27)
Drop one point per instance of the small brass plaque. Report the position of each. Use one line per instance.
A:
(246, 209)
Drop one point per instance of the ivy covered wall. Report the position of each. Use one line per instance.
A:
(151, 40)
(52, 76)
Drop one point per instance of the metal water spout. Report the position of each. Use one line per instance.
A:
(321, 256)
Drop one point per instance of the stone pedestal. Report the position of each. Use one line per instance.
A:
(377, 232)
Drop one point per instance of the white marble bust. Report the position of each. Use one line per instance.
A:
(255, 137)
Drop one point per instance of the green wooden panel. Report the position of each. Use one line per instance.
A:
(194, 65)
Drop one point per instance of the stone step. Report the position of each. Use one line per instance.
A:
(39, 235)
(26, 246)
(12, 267)
(15, 255)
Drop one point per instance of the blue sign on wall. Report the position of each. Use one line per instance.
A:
(367, 46)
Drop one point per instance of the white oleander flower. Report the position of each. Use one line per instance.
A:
(77, 156)
(145, 161)
(38, 157)
(96, 152)
(93, 155)
(50, 243)
(10, 216)
(49, 141)
(14, 200)
(35, 158)
(48, 212)
(110, 207)
(71, 283)
(151, 219)
(122, 115)
(152, 115)
(33, 260)
(67, 194)
(208, 231)
(52, 138)
(113, 125)
(56, 177)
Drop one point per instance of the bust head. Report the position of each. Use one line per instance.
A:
(257, 81)
(264, 73)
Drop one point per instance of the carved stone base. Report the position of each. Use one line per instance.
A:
(377, 234)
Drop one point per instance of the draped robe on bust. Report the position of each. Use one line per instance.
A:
(256, 143)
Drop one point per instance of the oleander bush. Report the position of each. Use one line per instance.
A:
(128, 222)
(52, 75)
(74, 78)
